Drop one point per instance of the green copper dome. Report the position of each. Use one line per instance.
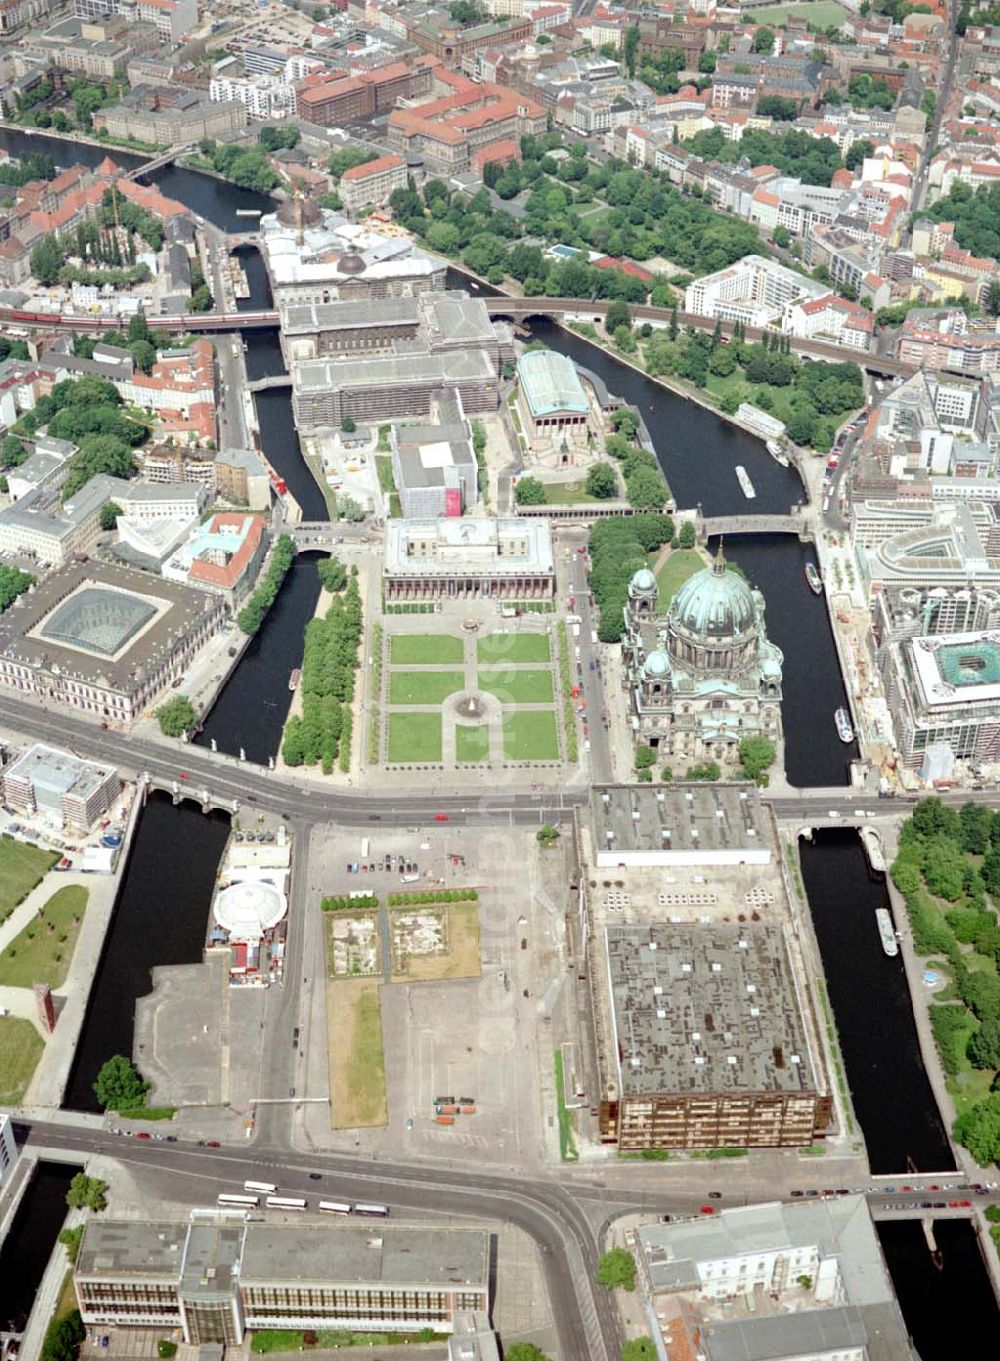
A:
(643, 580)
(714, 604)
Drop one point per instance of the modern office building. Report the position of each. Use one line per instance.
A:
(945, 690)
(104, 639)
(66, 790)
(219, 1277)
(509, 558)
(803, 1282)
(948, 550)
(708, 1048)
(754, 291)
(677, 824)
(705, 675)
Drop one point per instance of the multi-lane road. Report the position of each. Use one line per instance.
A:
(565, 1217)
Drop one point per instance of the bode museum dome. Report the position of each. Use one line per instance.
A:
(704, 675)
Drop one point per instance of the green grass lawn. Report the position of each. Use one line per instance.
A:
(518, 687)
(513, 647)
(472, 744)
(681, 564)
(41, 953)
(414, 737)
(818, 13)
(530, 736)
(419, 649)
(568, 494)
(21, 868)
(423, 687)
(383, 465)
(20, 1049)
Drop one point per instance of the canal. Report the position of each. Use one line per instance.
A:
(251, 709)
(163, 904)
(28, 1245)
(946, 1298)
(891, 1092)
(160, 917)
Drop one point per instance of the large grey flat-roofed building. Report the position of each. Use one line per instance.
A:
(218, 1278)
(679, 824)
(709, 1048)
(67, 790)
(104, 639)
(442, 321)
(509, 558)
(326, 392)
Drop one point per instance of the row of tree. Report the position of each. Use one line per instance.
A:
(245, 166)
(329, 662)
(948, 870)
(252, 615)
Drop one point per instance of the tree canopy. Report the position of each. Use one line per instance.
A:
(976, 215)
(119, 1085)
(176, 716)
(87, 1193)
(617, 1267)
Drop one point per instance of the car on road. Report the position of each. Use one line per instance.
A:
(715, 1195)
(797, 1194)
(925, 1205)
(170, 1138)
(707, 1210)
(965, 1204)
(183, 775)
(211, 1143)
(141, 1134)
(440, 817)
(315, 1176)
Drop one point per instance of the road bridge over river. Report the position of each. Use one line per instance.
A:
(798, 522)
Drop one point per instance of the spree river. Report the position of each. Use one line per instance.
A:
(161, 912)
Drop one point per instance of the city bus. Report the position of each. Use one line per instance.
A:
(334, 1207)
(378, 1211)
(241, 1202)
(285, 1203)
(267, 1187)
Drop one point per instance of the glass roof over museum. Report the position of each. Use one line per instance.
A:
(98, 620)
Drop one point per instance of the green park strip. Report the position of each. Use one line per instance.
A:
(425, 649)
(518, 687)
(681, 564)
(530, 736)
(513, 648)
(472, 744)
(20, 1049)
(42, 952)
(22, 866)
(423, 687)
(567, 1138)
(414, 738)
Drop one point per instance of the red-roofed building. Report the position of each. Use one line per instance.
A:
(449, 131)
(332, 100)
(181, 390)
(368, 185)
(223, 556)
(628, 267)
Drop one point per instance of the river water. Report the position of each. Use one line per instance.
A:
(162, 907)
(28, 1245)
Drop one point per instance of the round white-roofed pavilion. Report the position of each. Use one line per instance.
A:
(247, 910)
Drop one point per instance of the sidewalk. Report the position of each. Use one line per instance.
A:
(50, 1077)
